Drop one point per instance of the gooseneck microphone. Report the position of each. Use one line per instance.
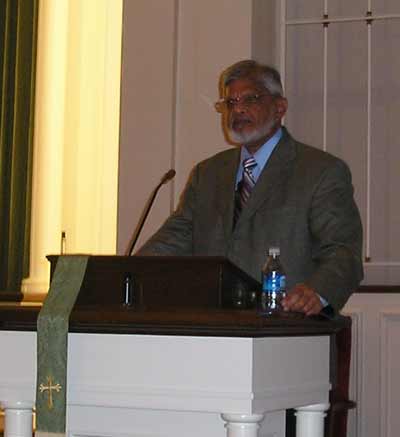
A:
(166, 178)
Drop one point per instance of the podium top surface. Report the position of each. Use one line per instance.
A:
(212, 322)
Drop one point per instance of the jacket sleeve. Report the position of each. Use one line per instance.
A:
(336, 231)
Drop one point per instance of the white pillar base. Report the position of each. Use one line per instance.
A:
(310, 420)
(18, 419)
(242, 425)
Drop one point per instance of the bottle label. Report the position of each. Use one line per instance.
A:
(274, 282)
(274, 288)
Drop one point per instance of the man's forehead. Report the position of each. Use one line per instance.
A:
(242, 86)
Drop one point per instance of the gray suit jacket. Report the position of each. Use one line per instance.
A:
(302, 202)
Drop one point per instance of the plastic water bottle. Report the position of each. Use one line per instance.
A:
(273, 283)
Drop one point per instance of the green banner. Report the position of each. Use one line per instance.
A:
(52, 343)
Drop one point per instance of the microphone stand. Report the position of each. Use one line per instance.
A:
(167, 177)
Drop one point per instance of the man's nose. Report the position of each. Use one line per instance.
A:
(239, 106)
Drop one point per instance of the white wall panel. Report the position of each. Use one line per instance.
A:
(375, 360)
(363, 89)
(385, 151)
(147, 111)
(347, 102)
(304, 83)
(390, 365)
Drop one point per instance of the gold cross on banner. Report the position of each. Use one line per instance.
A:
(50, 387)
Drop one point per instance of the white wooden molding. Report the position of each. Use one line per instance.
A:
(387, 322)
(356, 369)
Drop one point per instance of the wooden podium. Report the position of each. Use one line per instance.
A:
(173, 347)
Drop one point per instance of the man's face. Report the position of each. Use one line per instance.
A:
(252, 115)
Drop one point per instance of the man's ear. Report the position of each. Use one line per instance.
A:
(281, 107)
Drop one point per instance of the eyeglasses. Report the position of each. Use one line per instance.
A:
(247, 101)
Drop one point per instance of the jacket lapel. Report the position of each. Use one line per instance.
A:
(226, 190)
(272, 177)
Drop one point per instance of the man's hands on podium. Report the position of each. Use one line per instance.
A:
(303, 299)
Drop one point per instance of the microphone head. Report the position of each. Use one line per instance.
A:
(168, 176)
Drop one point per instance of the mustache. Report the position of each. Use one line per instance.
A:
(239, 119)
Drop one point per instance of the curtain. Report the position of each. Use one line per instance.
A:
(18, 35)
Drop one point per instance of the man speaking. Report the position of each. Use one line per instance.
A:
(269, 190)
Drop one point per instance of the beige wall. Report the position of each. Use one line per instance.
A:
(169, 85)
(173, 52)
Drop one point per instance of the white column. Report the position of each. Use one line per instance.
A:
(18, 419)
(242, 425)
(48, 142)
(310, 420)
(75, 168)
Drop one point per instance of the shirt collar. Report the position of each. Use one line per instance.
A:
(261, 156)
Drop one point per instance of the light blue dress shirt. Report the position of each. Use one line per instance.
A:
(261, 156)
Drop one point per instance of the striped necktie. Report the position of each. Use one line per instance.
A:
(245, 186)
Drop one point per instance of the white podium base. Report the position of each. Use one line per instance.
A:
(172, 386)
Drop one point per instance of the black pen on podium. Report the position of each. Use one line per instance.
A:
(170, 174)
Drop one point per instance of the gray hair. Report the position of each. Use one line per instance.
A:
(262, 75)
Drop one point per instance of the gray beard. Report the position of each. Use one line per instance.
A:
(253, 136)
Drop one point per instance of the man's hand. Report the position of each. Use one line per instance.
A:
(302, 299)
